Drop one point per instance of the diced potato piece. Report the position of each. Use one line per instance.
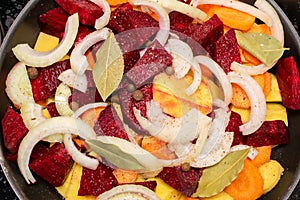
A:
(274, 95)
(275, 111)
(46, 42)
(271, 173)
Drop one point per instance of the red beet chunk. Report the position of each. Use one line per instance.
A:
(109, 124)
(52, 109)
(179, 18)
(149, 184)
(53, 165)
(53, 22)
(14, 130)
(128, 103)
(45, 84)
(82, 98)
(209, 32)
(270, 133)
(233, 126)
(155, 59)
(88, 11)
(183, 181)
(287, 74)
(226, 51)
(95, 182)
(141, 24)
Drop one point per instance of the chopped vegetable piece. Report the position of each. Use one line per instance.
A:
(53, 165)
(263, 156)
(248, 185)
(125, 176)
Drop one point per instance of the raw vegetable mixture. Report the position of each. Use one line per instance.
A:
(152, 99)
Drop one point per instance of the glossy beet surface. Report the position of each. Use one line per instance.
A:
(25, 29)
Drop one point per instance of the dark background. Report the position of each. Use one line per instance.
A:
(9, 9)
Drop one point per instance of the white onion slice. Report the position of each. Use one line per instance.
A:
(276, 28)
(77, 156)
(18, 86)
(34, 58)
(250, 70)
(104, 19)
(31, 113)
(252, 153)
(220, 150)
(180, 65)
(46, 128)
(181, 130)
(86, 107)
(241, 6)
(129, 192)
(181, 7)
(216, 130)
(73, 80)
(219, 74)
(78, 60)
(257, 100)
(163, 17)
(62, 94)
(196, 80)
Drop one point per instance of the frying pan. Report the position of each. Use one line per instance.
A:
(25, 29)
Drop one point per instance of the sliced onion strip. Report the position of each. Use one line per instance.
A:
(46, 128)
(257, 100)
(86, 107)
(62, 94)
(104, 19)
(219, 74)
(78, 60)
(18, 87)
(73, 80)
(129, 191)
(77, 156)
(164, 21)
(33, 58)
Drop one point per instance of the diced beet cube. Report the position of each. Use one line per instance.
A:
(95, 182)
(209, 32)
(155, 59)
(127, 103)
(287, 74)
(141, 25)
(52, 109)
(53, 165)
(226, 51)
(179, 18)
(270, 133)
(233, 126)
(183, 181)
(45, 84)
(109, 124)
(14, 130)
(88, 11)
(53, 22)
(82, 98)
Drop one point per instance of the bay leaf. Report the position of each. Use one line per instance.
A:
(264, 47)
(124, 154)
(215, 178)
(109, 67)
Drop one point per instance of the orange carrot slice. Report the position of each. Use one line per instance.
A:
(260, 28)
(125, 176)
(116, 2)
(263, 156)
(248, 185)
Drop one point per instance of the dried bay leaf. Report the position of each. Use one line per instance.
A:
(109, 67)
(215, 178)
(264, 47)
(124, 154)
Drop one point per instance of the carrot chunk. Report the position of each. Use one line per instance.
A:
(248, 185)
(263, 156)
(125, 176)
